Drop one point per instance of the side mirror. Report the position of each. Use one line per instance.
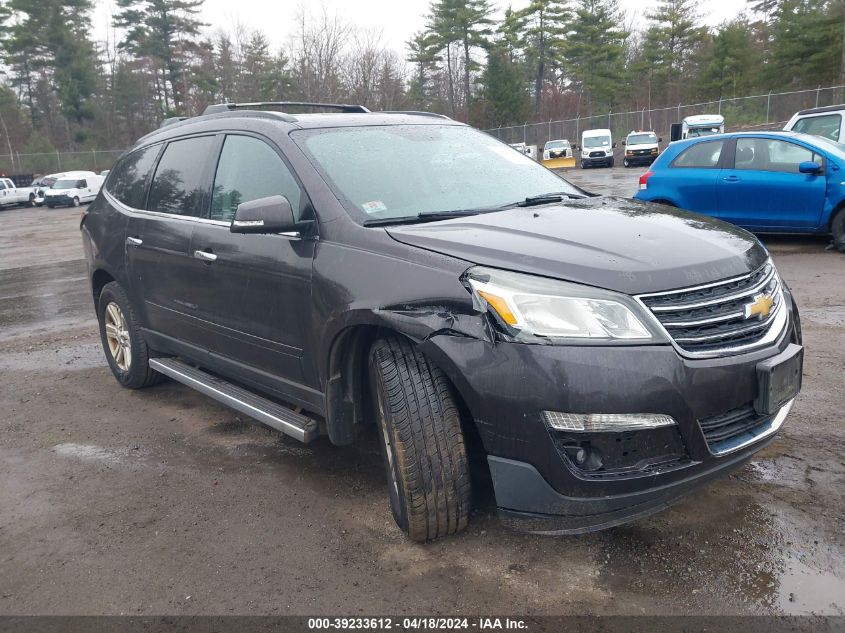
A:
(809, 167)
(660, 140)
(265, 215)
(623, 143)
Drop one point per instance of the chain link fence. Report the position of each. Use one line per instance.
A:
(771, 110)
(95, 160)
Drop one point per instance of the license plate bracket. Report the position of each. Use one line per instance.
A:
(779, 379)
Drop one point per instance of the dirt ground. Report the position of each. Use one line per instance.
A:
(164, 502)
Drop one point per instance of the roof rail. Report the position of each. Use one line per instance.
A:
(171, 120)
(417, 112)
(228, 107)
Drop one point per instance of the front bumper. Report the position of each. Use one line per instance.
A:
(597, 160)
(641, 159)
(58, 201)
(506, 386)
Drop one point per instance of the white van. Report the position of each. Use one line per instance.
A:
(41, 185)
(597, 148)
(824, 122)
(73, 190)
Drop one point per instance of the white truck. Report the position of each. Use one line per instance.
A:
(11, 195)
(597, 148)
(698, 125)
(825, 122)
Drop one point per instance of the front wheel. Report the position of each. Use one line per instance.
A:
(31, 200)
(610, 163)
(625, 162)
(75, 202)
(126, 350)
(422, 443)
(583, 165)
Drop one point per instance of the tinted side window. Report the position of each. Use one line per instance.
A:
(128, 180)
(2, 185)
(762, 154)
(179, 185)
(249, 169)
(702, 155)
(826, 126)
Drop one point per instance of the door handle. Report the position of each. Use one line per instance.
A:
(205, 256)
(731, 179)
(134, 241)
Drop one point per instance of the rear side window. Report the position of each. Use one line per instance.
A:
(179, 184)
(128, 180)
(701, 155)
(762, 154)
(826, 126)
(249, 169)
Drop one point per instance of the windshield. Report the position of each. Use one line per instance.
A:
(65, 183)
(403, 170)
(695, 132)
(596, 141)
(642, 139)
(557, 144)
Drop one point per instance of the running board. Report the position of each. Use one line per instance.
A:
(266, 411)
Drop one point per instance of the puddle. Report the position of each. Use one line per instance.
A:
(807, 590)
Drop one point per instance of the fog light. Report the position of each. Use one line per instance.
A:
(605, 422)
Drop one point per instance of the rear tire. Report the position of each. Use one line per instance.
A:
(419, 429)
(126, 350)
(837, 229)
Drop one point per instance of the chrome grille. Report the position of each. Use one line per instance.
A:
(711, 319)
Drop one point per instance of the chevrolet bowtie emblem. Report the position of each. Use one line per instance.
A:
(760, 307)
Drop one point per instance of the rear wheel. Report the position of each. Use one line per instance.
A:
(419, 429)
(837, 229)
(126, 350)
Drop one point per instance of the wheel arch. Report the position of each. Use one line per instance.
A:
(99, 278)
(347, 376)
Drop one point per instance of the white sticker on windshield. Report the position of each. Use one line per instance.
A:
(374, 206)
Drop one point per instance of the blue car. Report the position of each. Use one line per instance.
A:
(766, 182)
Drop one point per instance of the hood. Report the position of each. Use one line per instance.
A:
(614, 243)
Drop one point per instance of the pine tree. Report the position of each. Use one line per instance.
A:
(164, 31)
(594, 51)
(503, 89)
(543, 24)
(465, 24)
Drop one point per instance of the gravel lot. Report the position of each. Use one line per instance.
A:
(162, 501)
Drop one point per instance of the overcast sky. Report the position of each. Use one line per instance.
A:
(398, 19)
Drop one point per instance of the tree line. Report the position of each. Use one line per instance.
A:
(488, 65)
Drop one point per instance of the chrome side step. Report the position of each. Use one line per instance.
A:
(266, 411)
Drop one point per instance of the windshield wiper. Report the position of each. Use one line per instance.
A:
(548, 198)
(425, 216)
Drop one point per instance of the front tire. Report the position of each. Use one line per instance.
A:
(625, 162)
(610, 163)
(419, 429)
(126, 350)
(31, 200)
(75, 202)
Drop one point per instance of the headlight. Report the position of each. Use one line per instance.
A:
(533, 307)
